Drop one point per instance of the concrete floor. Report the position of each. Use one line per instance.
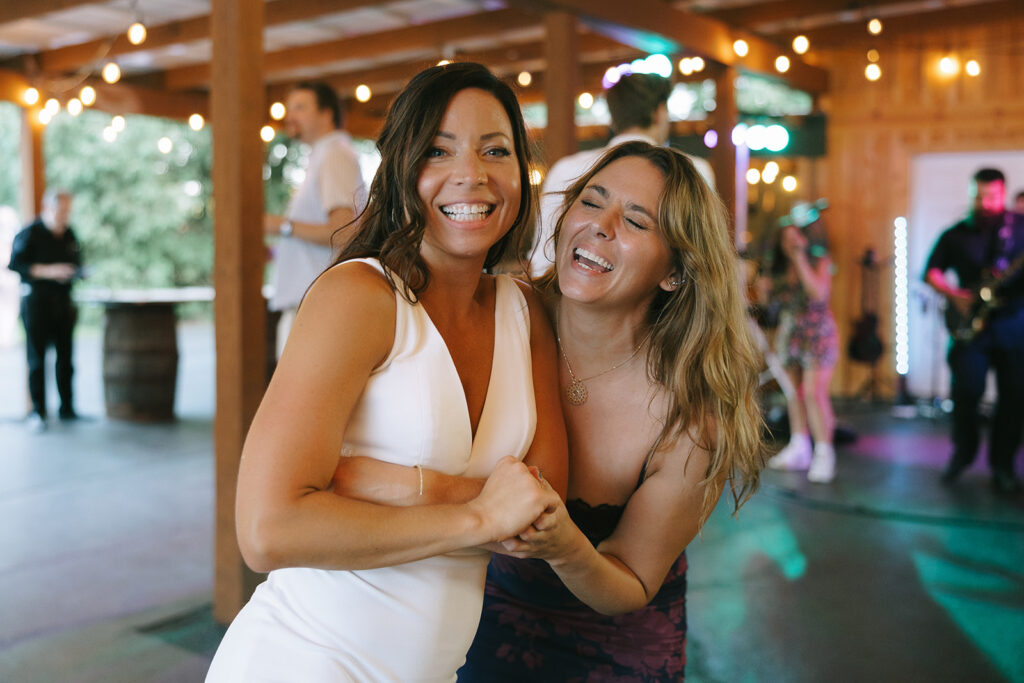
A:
(106, 553)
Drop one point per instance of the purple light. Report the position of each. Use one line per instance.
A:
(711, 139)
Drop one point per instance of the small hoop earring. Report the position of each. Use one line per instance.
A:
(677, 281)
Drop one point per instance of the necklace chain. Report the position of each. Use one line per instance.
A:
(577, 391)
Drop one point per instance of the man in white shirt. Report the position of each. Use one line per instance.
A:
(329, 198)
(638, 105)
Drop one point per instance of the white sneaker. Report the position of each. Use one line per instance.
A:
(823, 465)
(36, 423)
(795, 456)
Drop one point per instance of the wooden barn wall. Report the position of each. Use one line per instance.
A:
(876, 129)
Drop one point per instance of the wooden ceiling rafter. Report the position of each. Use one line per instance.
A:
(278, 12)
(642, 23)
(437, 34)
(16, 11)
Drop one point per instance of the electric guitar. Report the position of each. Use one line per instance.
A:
(986, 299)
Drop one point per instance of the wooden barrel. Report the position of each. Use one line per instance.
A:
(140, 361)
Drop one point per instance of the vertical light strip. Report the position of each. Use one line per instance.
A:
(900, 295)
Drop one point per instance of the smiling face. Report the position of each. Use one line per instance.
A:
(611, 248)
(469, 182)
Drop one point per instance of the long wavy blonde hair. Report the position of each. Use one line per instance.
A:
(700, 349)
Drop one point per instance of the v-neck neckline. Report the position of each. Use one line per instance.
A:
(455, 370)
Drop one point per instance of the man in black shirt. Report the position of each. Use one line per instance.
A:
(47, 256)
(985, 311)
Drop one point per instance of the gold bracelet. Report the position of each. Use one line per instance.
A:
(419, 469)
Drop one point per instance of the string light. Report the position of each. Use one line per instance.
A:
(196, 122)
(875, 26)
(165, 145)
(873, 72)
(873, 55)
(30, 96)
(685, 66)
(363, 93)
(741, 48)
(88, 95)
(770, 172)
(267, 133)
(789, 183)
(782, 64)
(137, 33)
(697, 63)
(277, 111)
(109, 134)
(117, 123)
(524, 78)
(753, 176)
(801, 45)
(111, 73)
(949, 66)
(586, 100)
(972, 68)
(44, 116)
(74, 106)
(52, 106)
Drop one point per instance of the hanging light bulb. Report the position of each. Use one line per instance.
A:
(52, 106)
(586, 100)
(196, 122)
(87, 95)
(74, 106)
(137, 33)
(111, 72)
(875, 26)
(873, 72)
(117, 123)
(524, 78)
(363, 93)
(782, 64)
(801, 45)
(277, 111)
(30, 96)
(267, 133)
(741, 48)
(972, 67)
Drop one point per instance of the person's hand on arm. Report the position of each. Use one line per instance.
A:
(58, 272)
(317, 233)
(286, 513)
(625, 571)
(390, 484)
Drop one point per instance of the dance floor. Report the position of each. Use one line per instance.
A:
(106, 552)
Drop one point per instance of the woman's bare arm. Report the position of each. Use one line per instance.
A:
(286, 513)
(626, 570)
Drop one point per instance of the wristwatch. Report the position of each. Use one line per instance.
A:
(286, 229)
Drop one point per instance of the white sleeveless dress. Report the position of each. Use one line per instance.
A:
(415, 621)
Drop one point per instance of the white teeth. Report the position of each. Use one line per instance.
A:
(582, 253)
(466, 212)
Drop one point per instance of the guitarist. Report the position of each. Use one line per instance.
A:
(979, 249)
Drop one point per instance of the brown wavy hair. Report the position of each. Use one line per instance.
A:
(701, 350)
(392, 226)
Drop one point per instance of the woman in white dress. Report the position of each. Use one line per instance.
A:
(403, 352)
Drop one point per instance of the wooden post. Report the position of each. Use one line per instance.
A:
(33, 176)
(238, 112)
(561, 84)
(728, 179)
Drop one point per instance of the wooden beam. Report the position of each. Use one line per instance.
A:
(592, 49)
(239, 308)
(729, 183)
(15, 10)
(431, 36)
(654, 26)
(562, 83)
(184, 31)
(33, 170)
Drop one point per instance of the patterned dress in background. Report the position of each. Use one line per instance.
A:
(533, 629)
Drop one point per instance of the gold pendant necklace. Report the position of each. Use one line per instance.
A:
(577, 391)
